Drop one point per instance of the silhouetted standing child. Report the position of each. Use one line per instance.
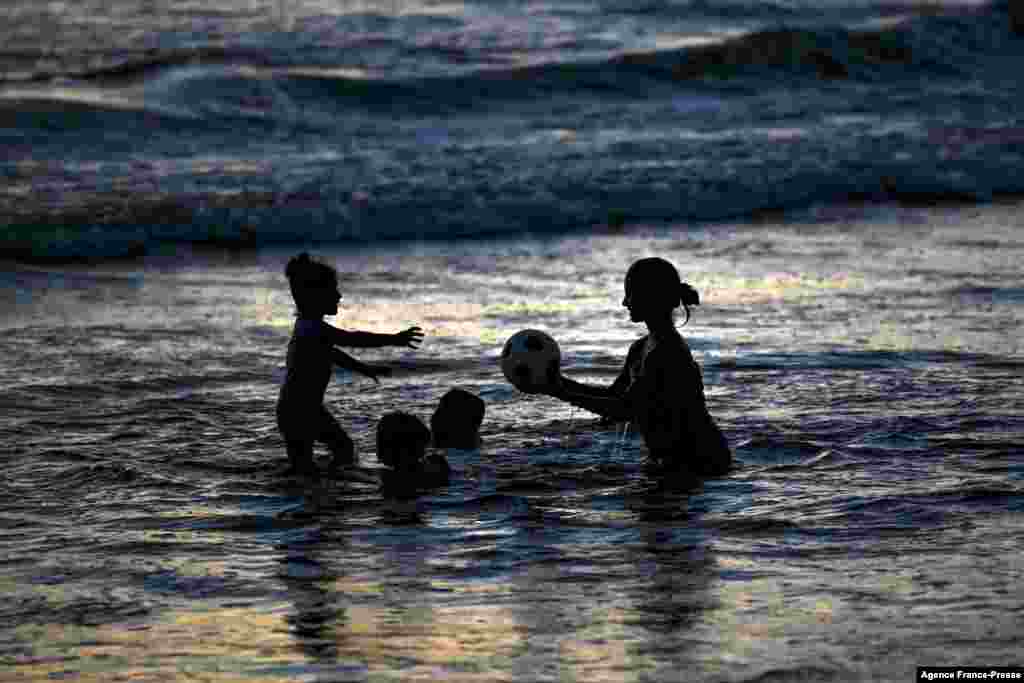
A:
(301, 416)
(402, 441)
(457, 419)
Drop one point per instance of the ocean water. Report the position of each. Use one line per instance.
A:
(132, 124)
(865, 363)
(838, 179)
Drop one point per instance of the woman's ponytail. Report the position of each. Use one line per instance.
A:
(688, 297)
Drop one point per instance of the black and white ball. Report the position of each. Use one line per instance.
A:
(529, 358)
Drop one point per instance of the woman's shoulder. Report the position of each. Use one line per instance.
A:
(668, 350)
(638, 346)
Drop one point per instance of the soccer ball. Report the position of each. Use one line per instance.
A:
(529, 357)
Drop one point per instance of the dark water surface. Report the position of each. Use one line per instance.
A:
(130, 125)
(866, 364)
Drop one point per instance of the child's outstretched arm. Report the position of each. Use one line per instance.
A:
(410, 337)
(343, 360)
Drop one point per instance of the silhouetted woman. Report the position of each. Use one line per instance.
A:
(660, 389)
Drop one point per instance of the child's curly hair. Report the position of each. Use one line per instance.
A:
(306, 275)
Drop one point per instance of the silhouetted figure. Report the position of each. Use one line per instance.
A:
(457, 419)
(402, 441)
(660, 389)
(301, 415)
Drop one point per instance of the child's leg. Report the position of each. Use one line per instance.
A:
(300, 456)
(337, 440)
(298, 445)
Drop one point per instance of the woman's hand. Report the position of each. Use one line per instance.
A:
(410, 337)
(552, 386)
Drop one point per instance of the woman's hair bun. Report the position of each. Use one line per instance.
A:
(688, 295)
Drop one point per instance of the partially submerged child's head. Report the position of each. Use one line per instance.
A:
(456, 422)
(402, 440)
(314, 286)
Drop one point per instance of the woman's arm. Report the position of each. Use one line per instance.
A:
(608, 402)
(371, 340)
(598, 400)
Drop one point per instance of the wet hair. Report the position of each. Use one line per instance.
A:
(402, 434)
(306, 275)
(659, 278)
(457, 420)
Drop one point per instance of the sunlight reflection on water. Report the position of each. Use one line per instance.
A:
(149, 538)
